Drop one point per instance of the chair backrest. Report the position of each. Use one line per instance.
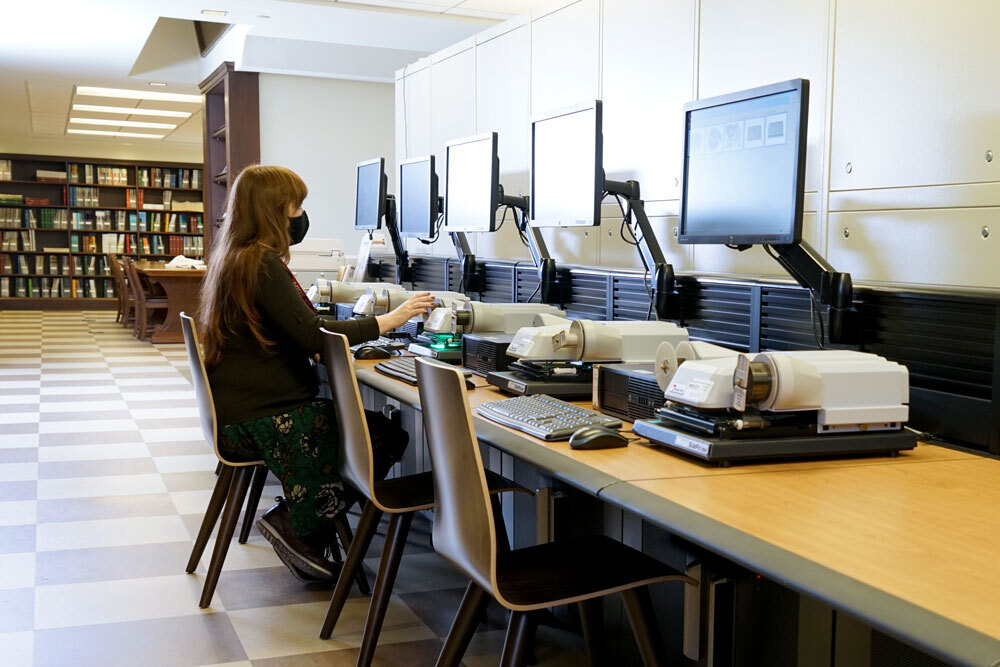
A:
(134, 283)
(356, 464)
(116, 273)
(464, 530)
(199, 378)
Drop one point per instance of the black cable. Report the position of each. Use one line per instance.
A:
(503, 218)
(537, 287)
(814, 312)
(626, 216)
(437, 231)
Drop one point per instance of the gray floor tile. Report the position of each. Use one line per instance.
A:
(99, 438)
(19, 455)
(404, 654)
(17, 539)
(27, 490)
(17, 609)
(66, 469)
(105, 507)
(267, 587)
(129, 562)
(96, 415)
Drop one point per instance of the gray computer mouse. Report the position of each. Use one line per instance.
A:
(597, 437)
(371, 352)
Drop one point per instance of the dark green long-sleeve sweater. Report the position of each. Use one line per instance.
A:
(253, 381)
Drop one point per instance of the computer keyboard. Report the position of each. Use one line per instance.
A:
(543, 416)
(390, 344)
(405, 369)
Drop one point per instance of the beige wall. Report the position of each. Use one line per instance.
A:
(903, 93)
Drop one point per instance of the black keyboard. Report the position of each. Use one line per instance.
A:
(543, 416)
(389, 344)
(405, 369)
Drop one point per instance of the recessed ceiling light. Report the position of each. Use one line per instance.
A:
(263, 16)
(158, 84)
(129, 94)
(108, 133)
(123, 123)
(97, 108)
(214, 12)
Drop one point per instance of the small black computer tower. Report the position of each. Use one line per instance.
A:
(486, 353)
(628, 391)
(344, 311)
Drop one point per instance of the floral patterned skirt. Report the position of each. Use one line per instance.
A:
(301, 448)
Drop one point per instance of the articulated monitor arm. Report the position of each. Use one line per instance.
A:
(403, 269)
(649, 248)
(832, 287)
(548, 283)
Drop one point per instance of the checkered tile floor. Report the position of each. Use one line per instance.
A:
(104, 477)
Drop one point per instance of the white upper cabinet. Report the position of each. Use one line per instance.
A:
(748, 44)
(503, 84)
(647, 76)
(565, 56)
(916, 100)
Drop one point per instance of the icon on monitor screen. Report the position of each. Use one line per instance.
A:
(734, 135)
(754, 133)
(775, 129)
(714, 139)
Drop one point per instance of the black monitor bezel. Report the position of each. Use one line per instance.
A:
(383, 186)
(494, 177)
(798, 185)
(596, 105)
(433, 204)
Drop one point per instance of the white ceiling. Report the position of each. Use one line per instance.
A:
(51, 46)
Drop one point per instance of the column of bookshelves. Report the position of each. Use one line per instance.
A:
(54, 236)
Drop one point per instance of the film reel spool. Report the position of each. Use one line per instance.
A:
(666, 364)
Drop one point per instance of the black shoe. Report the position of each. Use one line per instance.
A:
(303, 561)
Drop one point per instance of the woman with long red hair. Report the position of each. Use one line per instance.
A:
(259, 334)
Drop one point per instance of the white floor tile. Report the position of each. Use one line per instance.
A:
(64, 365)
(188, 463)
(19, 512)
(156, 395)
(20, 384)
(82, 391)
(101, 426)
(161, 370)
(18, 418)
(150, 359)
(83, 406)
(17, 571)
(95, 355)
(24, 399)
(65, 377)
(249, 556)
(92, 487)
(167, 380)
(129, 450)
(18, 440)
(165, 413)
(172, 434)
(6, 372)
(61, 536)
(118, 601)
(17, 648)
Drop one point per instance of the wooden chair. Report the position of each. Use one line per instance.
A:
(400, 498)
(126, 301)
(233, 483)
(145, 301)
(575, 570)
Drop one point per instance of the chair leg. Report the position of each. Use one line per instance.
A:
(392, 553)
(215, 506)
(499, 525)
(256, 489)
(346, 539)
(218, 468)
(230, 517)
(367, 525)
(592, 622)
(462, 628)
(516, 643)
(639, 607)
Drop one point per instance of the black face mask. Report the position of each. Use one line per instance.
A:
(297, 227)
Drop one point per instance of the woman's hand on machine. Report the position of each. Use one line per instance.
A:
(418, 304)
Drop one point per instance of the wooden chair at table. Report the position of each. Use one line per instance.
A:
(233, 483)
(126, 301)
(580, 569)
(145, 300)
(399, 497)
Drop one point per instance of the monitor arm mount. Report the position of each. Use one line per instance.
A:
(548, 284)
(404, 272)
(831, 287)
(649, 249)
(471, 279)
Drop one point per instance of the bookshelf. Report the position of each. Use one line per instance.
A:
(232, 136)
(60, 216)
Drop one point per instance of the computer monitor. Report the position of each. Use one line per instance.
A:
(744, 166)
(472, 184)
(369, 203)
(567, 171)
(418, 197)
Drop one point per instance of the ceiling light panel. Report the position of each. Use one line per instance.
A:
(108, 133)
(136, 111)
(123, 123)
(128, 94)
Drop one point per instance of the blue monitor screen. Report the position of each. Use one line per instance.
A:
(367, 206)
(417, 198)
(742, 171)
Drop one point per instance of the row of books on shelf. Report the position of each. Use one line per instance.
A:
(158, 177)
(51, 288)
(11, 199)
(91, 197)
(6, 173)
(112, 221)
(104, 175)
(46, 218)
(134, 244)
(21, 240)
(54, 265)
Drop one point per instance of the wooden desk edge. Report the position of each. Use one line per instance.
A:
(915, 625)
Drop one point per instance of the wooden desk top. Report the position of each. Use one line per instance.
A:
(159, 271)
(928, 534)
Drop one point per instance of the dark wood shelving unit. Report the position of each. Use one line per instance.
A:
(57, 192)
(232, 137)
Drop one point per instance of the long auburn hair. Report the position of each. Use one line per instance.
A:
(256, 221)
